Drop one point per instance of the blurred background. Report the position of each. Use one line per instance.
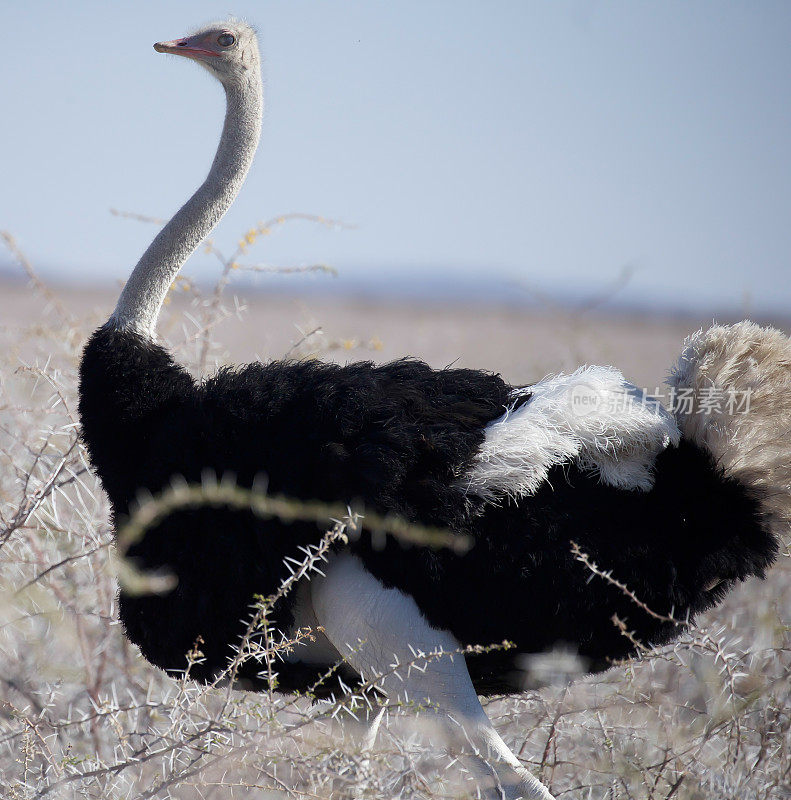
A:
(482, 151)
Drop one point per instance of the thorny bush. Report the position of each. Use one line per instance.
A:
(83, 715)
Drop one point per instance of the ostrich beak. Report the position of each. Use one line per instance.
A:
(188, 46)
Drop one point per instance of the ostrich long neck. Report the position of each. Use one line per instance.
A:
(142, 297)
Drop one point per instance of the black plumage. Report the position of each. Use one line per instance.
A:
(397, 438)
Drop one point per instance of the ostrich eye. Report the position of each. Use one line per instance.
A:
(225, 39)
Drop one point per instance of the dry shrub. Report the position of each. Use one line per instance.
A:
(83, 715)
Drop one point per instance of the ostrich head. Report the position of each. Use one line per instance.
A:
(227, 49)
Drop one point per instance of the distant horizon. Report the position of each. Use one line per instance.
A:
(434, 286)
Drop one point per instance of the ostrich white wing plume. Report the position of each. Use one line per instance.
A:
(593, 416)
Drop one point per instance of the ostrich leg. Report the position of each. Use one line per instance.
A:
(376, 628)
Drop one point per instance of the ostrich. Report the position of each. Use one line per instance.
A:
(679, 506)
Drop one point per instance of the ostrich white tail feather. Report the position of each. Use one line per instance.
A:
(593, 417)
(733, 397)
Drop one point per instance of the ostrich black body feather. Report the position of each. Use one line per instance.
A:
(397, 438)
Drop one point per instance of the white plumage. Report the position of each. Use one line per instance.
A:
(593, 416)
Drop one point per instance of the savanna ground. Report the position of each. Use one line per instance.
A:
(83, 715)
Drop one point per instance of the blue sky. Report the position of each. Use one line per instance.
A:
(543, 143)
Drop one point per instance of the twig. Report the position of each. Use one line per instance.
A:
(607, 575)
(138, 217)
(38, 284)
